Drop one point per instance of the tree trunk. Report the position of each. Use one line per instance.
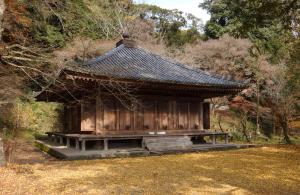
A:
(244, 128)
(2, 8)
(274, 124)
(2, 156)
(257, 108)
(219, 122)
(284, 125)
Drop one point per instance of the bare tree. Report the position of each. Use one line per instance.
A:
(282, 98)
(244, 117)
(2, 8)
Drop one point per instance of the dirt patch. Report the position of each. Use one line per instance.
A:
(26, 153)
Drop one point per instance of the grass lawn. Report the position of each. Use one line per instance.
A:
(265, 170)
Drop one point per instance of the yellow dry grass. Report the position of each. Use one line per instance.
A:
(266, 170)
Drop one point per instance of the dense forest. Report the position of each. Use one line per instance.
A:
(243, 40)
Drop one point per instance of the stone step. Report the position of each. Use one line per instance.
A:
(168, 143)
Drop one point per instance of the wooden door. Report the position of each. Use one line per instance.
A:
(67, 119)
(149, 115)
(109, 115)
(88, 116)
(125, 118)
(172, 115)
(194, 114)
(75, 119)
(183, 110)
(163, 114)
(138, 115)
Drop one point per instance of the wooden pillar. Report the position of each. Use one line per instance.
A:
(82, 123)
(83, 145)
(61, 141)
(143, 144)
(117, 116)
(189, 115)
(214, 139)
(105, 142)
(69, 119)
(77, 144)
(65, 117)
(156, 116)
(206, 115)
(201, 116)
(68, 142)
(226, 138)
(99, 114)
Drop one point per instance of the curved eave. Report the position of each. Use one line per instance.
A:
(86, 75)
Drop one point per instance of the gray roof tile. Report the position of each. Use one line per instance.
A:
(137, 64)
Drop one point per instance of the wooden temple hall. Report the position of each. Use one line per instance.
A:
(132, 98)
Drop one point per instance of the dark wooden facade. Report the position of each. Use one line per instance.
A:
(156, 114)
(171, 95)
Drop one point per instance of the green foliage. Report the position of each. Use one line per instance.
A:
(31, 116)
(175, 27)
(237, 136)
(266, 23)
(51, 24)
(8, 134)
(57, 22)
(294, 68)
(50, 36)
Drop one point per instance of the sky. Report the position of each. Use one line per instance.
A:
(188, 6)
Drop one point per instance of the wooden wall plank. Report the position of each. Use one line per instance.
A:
(99, 115)
(149, 115)
(88, 116)
(182, 115)
(176, 114)
(69, 119)
(109, 115)
(188, 115)
(171, 115)
(163, 113)
(75, 125)
(201, 116)
(138, 118)
(194, 115)
(206, 115)
(66, 123)
(125, 118)
(82, 122)
(156, 116)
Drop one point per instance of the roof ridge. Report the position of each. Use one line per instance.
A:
(104, 56)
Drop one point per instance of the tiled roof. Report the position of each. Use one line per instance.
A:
(137, 64)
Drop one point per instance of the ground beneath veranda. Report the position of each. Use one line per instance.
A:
(263, 170)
